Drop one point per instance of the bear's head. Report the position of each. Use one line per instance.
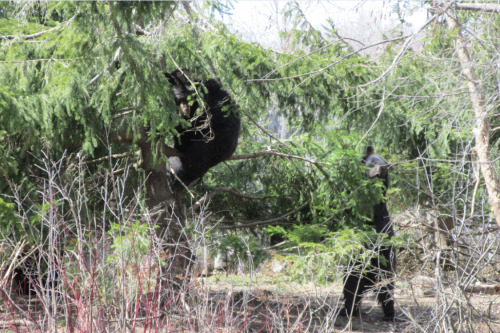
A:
(183, 83)
(378, 165)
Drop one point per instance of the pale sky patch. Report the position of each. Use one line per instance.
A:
(366, 21)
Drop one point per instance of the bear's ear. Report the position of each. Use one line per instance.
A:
(369, 150)
(171, 78)
(178, 76)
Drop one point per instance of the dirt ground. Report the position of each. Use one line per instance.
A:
(315, 308)
(235, 304)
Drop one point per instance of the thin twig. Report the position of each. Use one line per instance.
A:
(13, 258)
(400, 54)
(264, 130)
(332, 64)
(382, 104)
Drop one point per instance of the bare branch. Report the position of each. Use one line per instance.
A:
(13, 259)
(39, 60)
(210, 195)
(265, 77)
(97, 160)
(274, 153)
(403, 50)
(332, 64)
(381, 108)
(264, 131)
(276, 220)
(482, 7)
(41, 33)
(115, 59)
(126, 111)
(318, 165)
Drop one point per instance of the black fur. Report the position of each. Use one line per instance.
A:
(357, 283)
(215, 127)
(32, 276)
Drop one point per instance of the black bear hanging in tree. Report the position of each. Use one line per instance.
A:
(213, 134)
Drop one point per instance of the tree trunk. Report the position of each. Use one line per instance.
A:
(166, 207)
(482, 132)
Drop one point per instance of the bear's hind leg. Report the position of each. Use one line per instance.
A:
(386, 299)
(354, 287)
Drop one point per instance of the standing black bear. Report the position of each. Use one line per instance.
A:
(356, 283)
(215, 126)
